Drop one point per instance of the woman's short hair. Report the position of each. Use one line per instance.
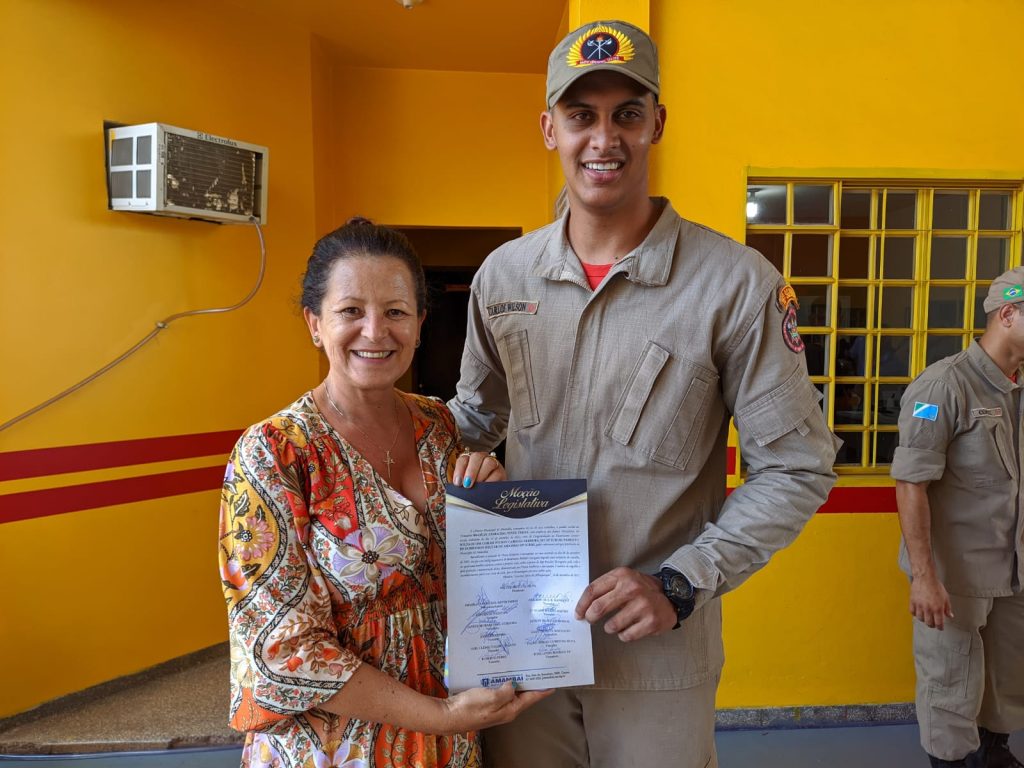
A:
(359, 238)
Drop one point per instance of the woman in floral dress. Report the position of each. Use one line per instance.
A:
(332, 540)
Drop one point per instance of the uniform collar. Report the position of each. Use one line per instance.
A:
(992, 372)
(649, 263)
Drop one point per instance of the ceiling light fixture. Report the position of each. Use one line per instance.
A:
(407, 4)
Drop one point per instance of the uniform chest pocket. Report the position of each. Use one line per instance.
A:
(515, 347)
(663, 406)
(983, 453)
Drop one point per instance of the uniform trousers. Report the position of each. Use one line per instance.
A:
(588, 728)
(970, 674)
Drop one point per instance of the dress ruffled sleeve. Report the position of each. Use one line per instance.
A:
(285, 654)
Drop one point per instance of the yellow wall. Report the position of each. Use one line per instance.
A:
(91, 595)
(922, 87)
(414, 147)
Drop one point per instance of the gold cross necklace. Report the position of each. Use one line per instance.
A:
(388, 461)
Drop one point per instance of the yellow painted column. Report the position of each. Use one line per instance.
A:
(636, 12)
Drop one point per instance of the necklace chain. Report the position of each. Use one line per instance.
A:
(388, 461)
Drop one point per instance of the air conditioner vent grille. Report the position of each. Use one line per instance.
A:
(213, 177)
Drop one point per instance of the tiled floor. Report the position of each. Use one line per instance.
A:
(175, 717)
(879, 746)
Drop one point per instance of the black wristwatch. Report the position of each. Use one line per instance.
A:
(680, 593)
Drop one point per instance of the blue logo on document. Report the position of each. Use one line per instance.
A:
(926, 411)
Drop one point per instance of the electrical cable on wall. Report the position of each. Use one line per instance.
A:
(161, 325)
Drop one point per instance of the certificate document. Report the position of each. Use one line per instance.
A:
(517, 565)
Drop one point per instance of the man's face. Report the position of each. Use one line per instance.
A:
(603, 128)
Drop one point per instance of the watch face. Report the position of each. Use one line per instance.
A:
(679, 587)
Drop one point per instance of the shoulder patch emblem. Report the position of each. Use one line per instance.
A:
(786, 297)
(790, 333)
(512, 308)
(926, 411)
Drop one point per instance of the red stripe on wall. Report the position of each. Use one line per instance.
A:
(860, 500)
(730, 460)
(40, 462)
(73, 498)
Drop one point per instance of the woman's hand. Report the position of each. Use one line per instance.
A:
(478, 467)
(483, 707)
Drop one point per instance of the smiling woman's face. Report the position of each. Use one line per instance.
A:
(368, 323)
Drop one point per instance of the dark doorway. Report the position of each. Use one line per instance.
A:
(450, 258)
(436, 369)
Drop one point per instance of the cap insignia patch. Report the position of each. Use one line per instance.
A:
(790, 332)
(600, 45)
(1013, 292)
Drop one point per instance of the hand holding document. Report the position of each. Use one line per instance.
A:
(517, 564)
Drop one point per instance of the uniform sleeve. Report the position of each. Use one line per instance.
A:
(285, 655)
(481, 404)
(928, 418)
(785, 441)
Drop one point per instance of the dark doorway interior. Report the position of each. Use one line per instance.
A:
(436, 369)
(450, 258)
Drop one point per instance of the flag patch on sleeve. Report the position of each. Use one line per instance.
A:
(926, 411)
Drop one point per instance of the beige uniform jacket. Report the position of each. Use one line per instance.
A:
(958, 421)
(631, 386)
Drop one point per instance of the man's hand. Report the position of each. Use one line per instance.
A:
(929, 601)
(639, 606)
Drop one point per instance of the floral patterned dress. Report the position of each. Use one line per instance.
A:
(325, 567)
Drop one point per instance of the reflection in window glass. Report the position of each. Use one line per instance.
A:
(893, 355)
(823, 389)
(813, 309)
(901, 210)
(899, 258)
(853, 306)
(812, 204)
(942, 346)
(980, 291)
(850, 355)
(889, 396)
(897, 307)
(994, 210)
(849, 403)
(856, 210)
(770, 201)
(771, 246)
(812, 255)
(853, 257)
(885, 447)
(993, 254)
(949, 210)
(949, 258)
(946, 307)
(816, 353)
(851, 449)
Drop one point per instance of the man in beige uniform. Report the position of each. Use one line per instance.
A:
(958, 487)
(629, 380)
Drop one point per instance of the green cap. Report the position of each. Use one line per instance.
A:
(1008, 288)
(611, 45)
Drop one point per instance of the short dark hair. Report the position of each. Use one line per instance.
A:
(359, 238)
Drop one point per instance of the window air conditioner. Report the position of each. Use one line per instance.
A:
(157, 168)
